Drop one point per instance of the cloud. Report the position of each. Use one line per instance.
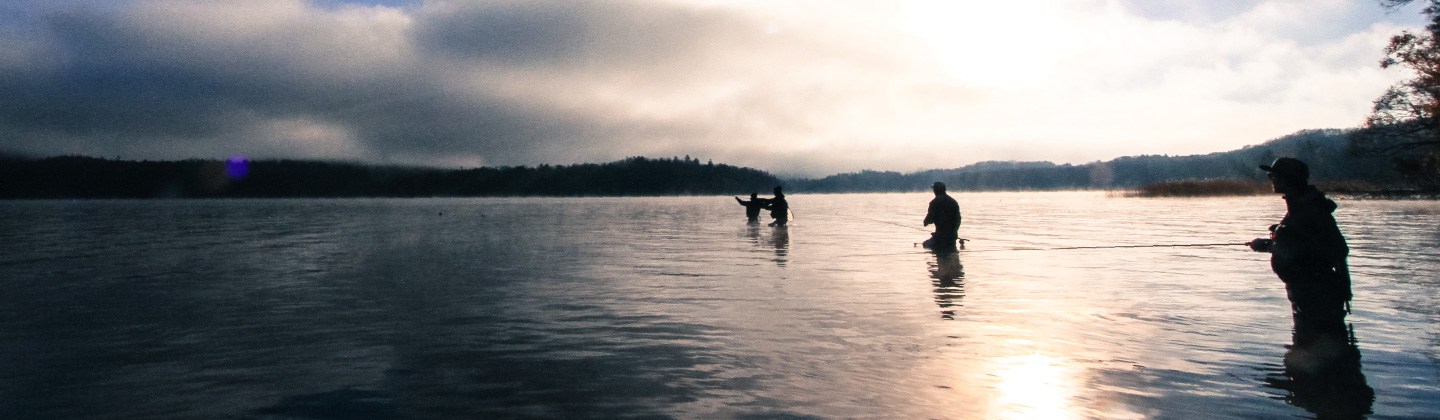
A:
(803, 88)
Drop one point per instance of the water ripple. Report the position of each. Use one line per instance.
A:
(674, 307)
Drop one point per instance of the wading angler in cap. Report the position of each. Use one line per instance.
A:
(945, 214)
(1307, 250)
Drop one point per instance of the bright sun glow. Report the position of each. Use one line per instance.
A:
(1032, 386)
(996, 44)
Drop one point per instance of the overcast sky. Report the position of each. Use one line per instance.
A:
(792, 87)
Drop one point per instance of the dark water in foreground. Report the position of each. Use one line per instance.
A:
(674, 307)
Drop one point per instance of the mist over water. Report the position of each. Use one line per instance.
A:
(675, 307)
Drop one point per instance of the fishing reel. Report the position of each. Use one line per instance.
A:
(1264, 244)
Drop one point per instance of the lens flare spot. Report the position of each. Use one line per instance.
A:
(237, 167)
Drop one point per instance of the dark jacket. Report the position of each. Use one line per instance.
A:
(752, 207)
(1308, 243)
(779, 208)
(944, 213)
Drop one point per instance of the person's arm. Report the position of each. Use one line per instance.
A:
(737, 200)
(1264, 244)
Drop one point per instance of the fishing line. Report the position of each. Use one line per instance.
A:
(881, 221)
(1109, 247)
(970, 251)
(885, 254)
(896, 224)
(1044, 249)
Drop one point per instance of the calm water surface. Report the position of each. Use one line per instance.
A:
(676, 308)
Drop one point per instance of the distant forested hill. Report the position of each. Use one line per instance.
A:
(1323, 150)
(86, 177)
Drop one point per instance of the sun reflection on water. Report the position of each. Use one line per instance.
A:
(1032, 386)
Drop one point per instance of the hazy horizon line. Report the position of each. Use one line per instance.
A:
(782, 175)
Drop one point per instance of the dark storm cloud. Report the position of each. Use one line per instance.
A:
(494, 82)
(104, 79)
(110, 76)
(590, 36)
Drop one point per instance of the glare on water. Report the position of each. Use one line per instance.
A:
(676, 307)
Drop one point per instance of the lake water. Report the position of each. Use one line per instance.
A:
(676, 308)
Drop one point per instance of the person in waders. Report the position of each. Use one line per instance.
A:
(1308, 252)
(945, 214)
(779, 208)
(752, 207)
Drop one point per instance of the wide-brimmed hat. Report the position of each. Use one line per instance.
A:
(1289, 168)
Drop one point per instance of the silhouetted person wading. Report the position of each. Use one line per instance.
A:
(752, 207)
(779, 209)
(1307, 250)
(945, 214)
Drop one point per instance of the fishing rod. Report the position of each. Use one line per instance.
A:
(893, 223)
(1048, 249)
(962, 240)
(1113, 247)
(878, 220)
(1054, 249)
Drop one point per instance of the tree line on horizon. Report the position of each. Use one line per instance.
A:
(89, 177)
(1327, 152)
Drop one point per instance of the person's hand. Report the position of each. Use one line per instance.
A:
(1261, 244)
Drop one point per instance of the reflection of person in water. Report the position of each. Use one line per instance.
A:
(781, 239)
(752, 207)
(779, 208)
(778, 241)
(1307, 250)
(1322, 371)
(949, 283)
(945, 214)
